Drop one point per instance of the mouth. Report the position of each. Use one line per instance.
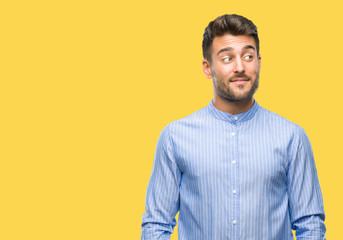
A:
(239, 80)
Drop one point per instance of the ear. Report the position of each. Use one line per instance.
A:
(206, 68)
(259, 62)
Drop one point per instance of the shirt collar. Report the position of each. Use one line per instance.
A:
(241, 117)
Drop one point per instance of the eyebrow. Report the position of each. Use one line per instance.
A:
(229, 49)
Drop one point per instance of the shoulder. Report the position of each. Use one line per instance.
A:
(283, 128)
(180, 128)
(278, 122)
(196, 118)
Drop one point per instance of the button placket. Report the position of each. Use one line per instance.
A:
(234, 135)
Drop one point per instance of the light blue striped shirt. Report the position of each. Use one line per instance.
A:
(249, 176)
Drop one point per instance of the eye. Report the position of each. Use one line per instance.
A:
(227, 59)
(248, 57)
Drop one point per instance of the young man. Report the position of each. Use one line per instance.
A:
(233, 169)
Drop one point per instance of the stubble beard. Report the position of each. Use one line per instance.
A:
(229, 94)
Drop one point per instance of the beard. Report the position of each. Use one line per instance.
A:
(225, 91)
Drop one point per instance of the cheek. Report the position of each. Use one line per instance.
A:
(252, 70)
(222, 77)
(224, 71)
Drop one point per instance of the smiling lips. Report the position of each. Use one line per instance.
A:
(239, 80)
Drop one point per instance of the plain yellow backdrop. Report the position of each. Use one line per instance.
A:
(87, 86)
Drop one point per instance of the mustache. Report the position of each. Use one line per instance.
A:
(239, 75)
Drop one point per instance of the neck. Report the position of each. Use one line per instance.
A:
(232, 107)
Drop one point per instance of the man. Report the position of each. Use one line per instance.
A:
(233, 169)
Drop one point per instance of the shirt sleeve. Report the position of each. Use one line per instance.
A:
(162, 197)
(305, 197)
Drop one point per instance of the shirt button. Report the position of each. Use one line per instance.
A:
(234, 222)
(234, 162)
(233, 134)
(236, 118)
(234, 191)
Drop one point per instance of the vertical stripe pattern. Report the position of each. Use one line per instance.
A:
(247, 176)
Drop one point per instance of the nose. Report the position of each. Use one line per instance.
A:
(239, 66)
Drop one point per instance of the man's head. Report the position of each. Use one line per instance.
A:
(231, 57)
(228, 24)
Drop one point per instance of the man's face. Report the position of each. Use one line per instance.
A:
(235, 67)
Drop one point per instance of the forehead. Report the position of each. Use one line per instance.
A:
(237, 43)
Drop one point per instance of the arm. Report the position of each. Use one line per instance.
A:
(162, 198)
(305, 197)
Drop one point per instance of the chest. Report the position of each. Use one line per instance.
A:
(233, 153)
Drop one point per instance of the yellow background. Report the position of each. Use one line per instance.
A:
(87, 86)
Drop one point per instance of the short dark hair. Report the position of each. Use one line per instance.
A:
(228, 24)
